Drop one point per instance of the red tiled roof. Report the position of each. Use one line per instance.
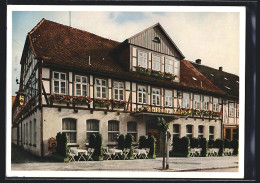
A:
(66, 46)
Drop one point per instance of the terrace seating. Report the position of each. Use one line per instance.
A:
(228, 151)
(89, 153)
(107, 155)
(125, 153)
(147, 150)
(72, 155)
(213, 152)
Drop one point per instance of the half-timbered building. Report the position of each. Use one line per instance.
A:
(80, 83)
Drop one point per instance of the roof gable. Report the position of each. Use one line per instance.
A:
(155, 38)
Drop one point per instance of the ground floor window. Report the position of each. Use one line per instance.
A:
(92, 128)
(176, 130)
(35, 133)
(211, 132)
(132, 130)
(189, 131)
(200, 131)
(113, 130)
(26, 133)
(69, 127)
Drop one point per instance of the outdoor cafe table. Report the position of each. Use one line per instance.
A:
(115, 152)
(140, 151)
(81, 153)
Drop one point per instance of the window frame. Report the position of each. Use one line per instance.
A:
(81, 85)
(215, 106)
(174, 134)
(59, 80)
(231, 110)
(206, 103)
(145, 58)
(101, 87)
(185, 99)
(200, 133)
(70, 131)
(157, 96)
(156, 62)
(196, 102)
(168, 98)
(118, 90)
(211, 135)
(167, 66)
(91, 131)
(189, 133)
(113, 132)
(143, 94)
(135, 136)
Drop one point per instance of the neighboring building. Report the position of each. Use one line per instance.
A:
(230, 84)
(70, 76)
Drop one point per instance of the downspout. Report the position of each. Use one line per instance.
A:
(40, 103)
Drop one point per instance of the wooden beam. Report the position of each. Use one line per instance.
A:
(45, 95)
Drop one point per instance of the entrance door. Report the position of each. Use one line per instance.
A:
(156, 134)
(228, 133)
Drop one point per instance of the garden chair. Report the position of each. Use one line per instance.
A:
(107, 155)
(125, 153)
(90, 153)
(135, 154)
(71, 155)
(192, 152)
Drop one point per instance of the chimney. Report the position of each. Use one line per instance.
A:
(198, 61)
(220, 68)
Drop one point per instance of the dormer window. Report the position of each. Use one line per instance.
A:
(142, 59)
(156, 40)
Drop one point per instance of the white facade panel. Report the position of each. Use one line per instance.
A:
(45, 73)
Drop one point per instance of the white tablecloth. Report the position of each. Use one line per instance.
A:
(140, 151)
(115, 151)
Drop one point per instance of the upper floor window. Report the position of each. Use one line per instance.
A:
(168, 98)
(231, 109)
(142, 94)
(156, 96)
(186, 100)
(169, 65)
(59, 83)
(206, 103)
(118, 90)
(101, 88)
(156, 63)
(215, 104)
(196, 102)
(81, 85)
(69, 127)
(142, 59)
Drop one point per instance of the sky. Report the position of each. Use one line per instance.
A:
(213, 37)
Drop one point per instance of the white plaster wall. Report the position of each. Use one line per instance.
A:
(45, 73)
(46, 85)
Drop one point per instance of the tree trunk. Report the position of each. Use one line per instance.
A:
(164, 148)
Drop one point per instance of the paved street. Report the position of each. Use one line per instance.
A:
(24, 161)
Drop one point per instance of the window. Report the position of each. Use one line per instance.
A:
(59, 82)
(92, 128)
(168, 98)
(189, 131)
(30, 132)
(101, 88)
(237, 110)
(215, 104)
(206, 103)
(186, 100)
(131, 130)
(196, 102)
(26, 133)
(169, 65)
(142, 94)
(176, 66)
(142, 59)
(69, 127)
(35, 133)
(200, 131)
(211, 132)
(176, 130)
(81, 85)
(231, 109)
(156, 63)
(113, 130)
(156, 96)
(118, 91)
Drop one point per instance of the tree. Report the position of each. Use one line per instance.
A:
(164, 126)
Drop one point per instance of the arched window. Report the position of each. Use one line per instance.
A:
(92, 127)
(113, 130)
(189, 131)
(200, 131)
(176, 130)
(69, 127)
(132, 130)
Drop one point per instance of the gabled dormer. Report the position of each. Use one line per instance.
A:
(153, 52)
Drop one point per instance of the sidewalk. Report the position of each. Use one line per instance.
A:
(24, 161)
